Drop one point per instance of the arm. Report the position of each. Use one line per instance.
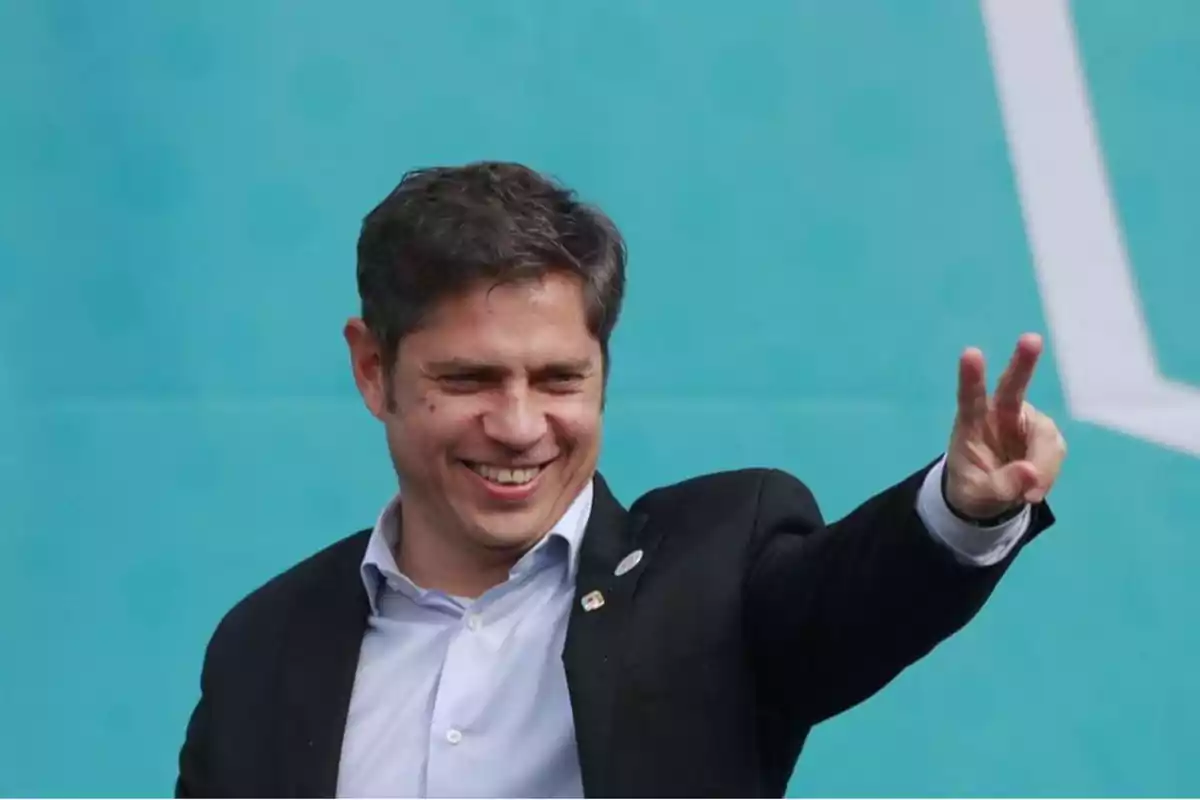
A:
(835, 612)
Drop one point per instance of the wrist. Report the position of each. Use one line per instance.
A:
(983, 521)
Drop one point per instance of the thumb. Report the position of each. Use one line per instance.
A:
(1012, 481)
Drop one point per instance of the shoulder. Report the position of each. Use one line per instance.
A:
(714, 496)
(260, 613)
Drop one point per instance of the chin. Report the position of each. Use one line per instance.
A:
(512, 530)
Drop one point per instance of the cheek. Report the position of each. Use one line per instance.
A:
(434, 422)
(578, 421)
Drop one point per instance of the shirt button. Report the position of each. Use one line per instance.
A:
(454, 736)
(474, 623)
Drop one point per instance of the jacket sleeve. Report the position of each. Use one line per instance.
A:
(835, 611)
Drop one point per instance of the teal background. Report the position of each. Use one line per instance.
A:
(821, 215)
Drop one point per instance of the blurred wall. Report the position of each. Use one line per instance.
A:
(822, 211)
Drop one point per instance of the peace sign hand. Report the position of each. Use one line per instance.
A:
(1003, 452)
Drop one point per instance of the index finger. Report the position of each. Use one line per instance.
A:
(972, 387)
(1010, 389)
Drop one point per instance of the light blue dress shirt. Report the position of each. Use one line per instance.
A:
(461, 697)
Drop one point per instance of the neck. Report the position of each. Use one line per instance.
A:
(452, 564)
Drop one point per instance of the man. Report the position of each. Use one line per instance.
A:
(507, 628)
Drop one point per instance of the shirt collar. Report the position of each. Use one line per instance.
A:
(379, 561)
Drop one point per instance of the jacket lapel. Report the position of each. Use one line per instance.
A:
(320, 660)
(593, 651)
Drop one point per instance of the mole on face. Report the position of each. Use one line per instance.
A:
(431, 406)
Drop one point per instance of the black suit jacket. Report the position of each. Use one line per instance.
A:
(747, 621)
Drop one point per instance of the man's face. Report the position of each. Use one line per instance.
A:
(496, 419)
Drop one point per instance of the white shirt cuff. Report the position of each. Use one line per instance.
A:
(974, 545)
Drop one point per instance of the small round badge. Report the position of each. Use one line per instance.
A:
(628, 562)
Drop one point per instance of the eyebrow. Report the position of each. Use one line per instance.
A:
(579, 365)
(459, 366)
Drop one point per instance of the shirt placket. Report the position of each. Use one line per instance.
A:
(453, 739)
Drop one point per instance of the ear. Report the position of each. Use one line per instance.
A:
(366, 362)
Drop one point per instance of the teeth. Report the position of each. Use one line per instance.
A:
(512, 477)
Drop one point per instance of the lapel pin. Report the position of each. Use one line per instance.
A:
(592, 600)
(628, 562)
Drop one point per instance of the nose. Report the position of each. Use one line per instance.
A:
(516, 421)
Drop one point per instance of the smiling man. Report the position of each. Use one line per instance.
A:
(508, 628)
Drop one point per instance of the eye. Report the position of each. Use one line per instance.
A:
(563, 383)
(463, 384)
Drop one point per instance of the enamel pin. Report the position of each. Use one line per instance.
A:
(592, 600)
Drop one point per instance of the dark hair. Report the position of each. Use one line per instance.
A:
(444, 230)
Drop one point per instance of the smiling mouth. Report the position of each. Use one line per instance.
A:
(506, 476)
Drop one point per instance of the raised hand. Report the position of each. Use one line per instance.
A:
(1003, 452)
